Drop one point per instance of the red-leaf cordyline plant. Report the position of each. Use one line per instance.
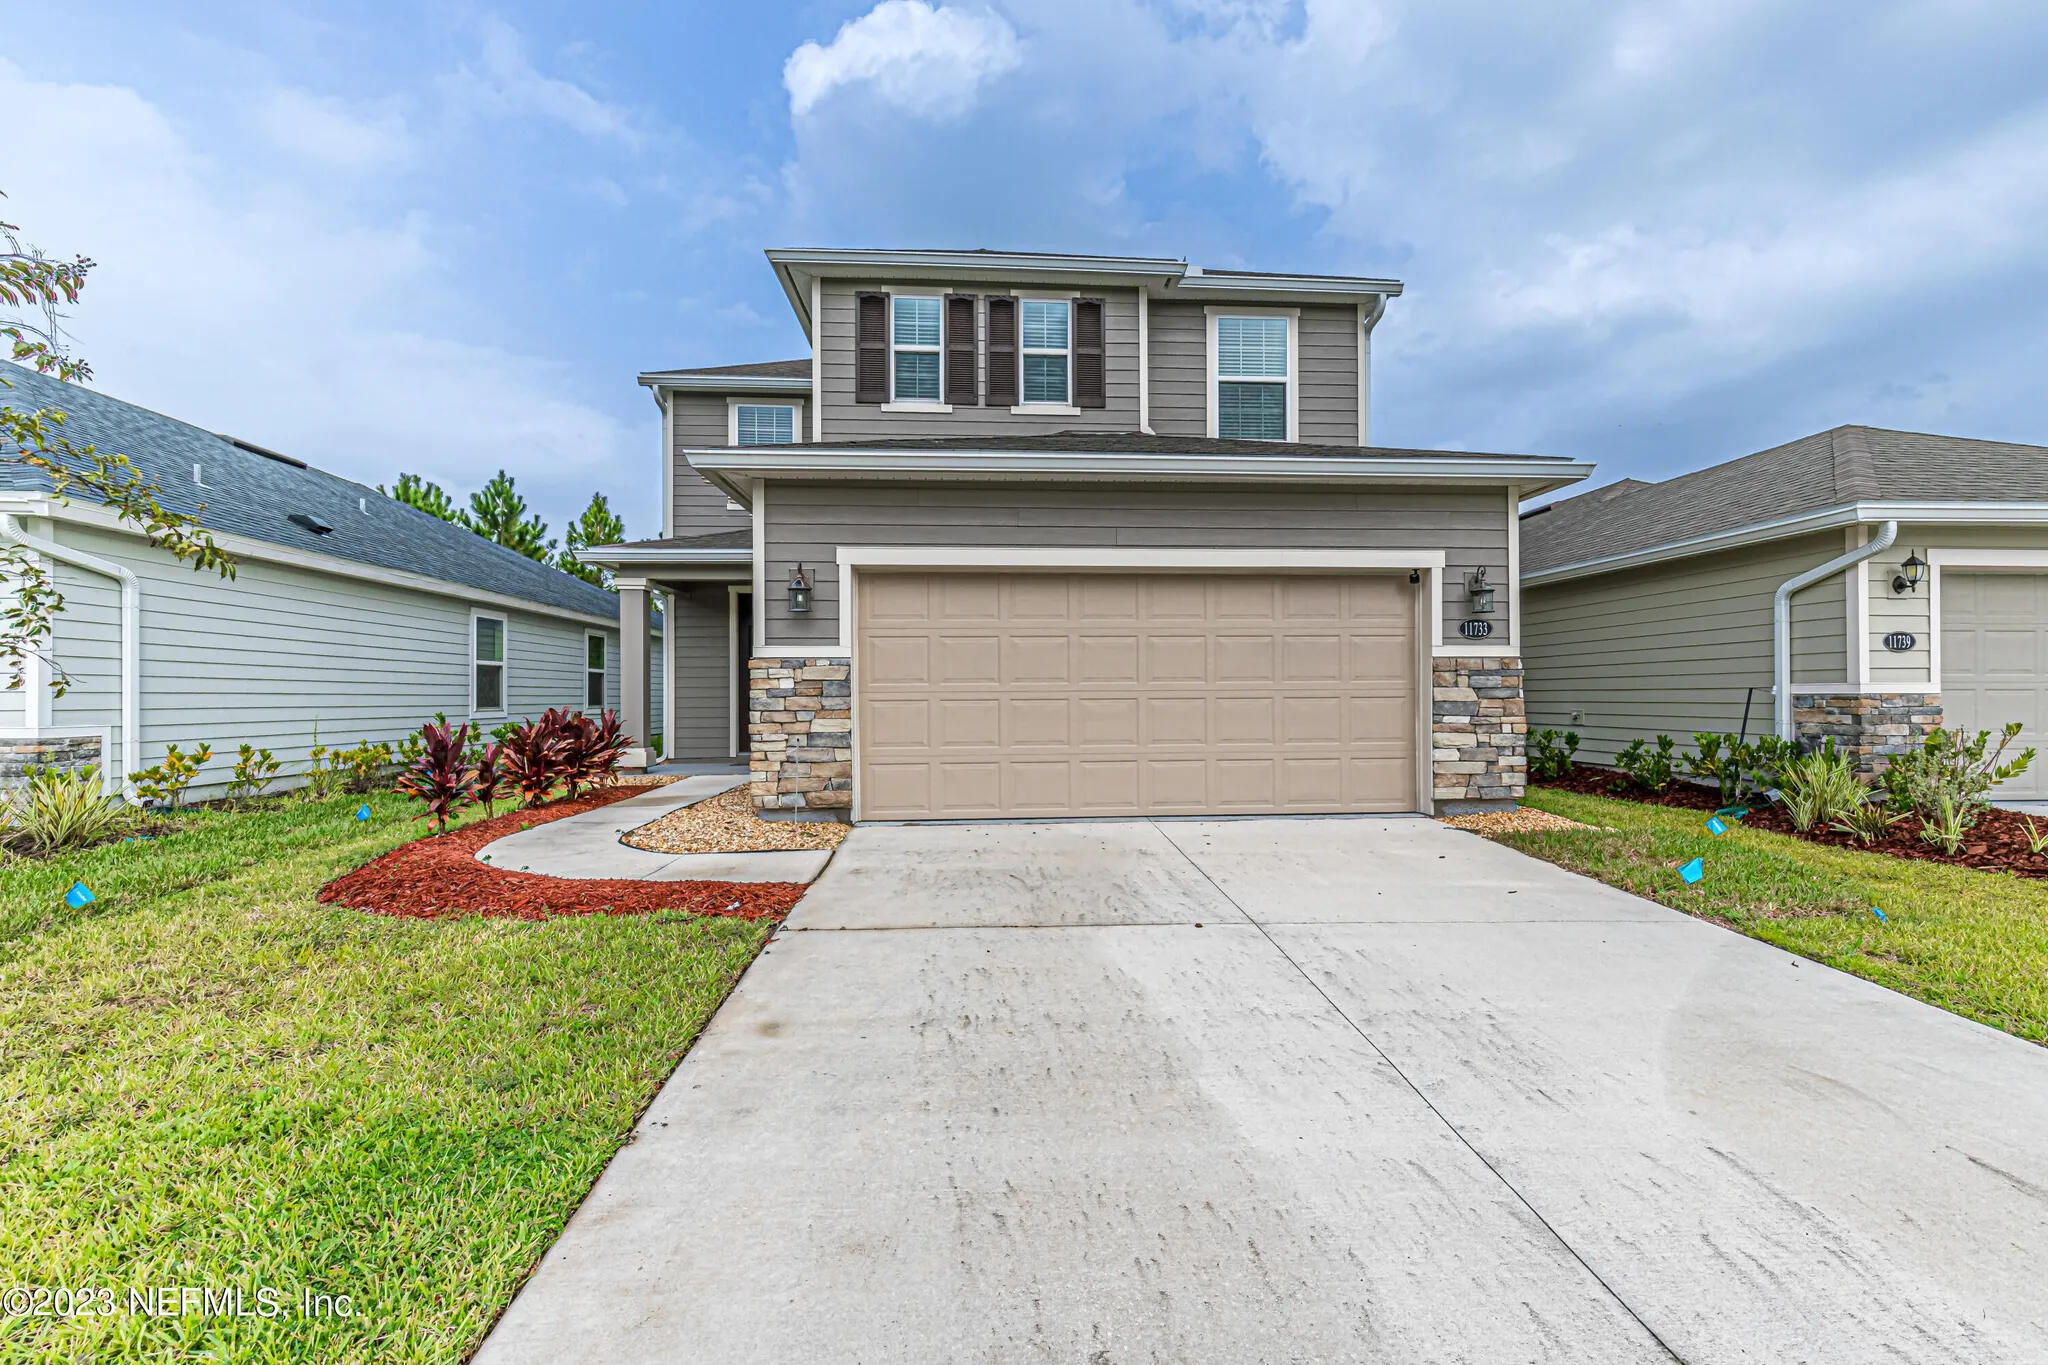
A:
(441, 776)
(537, 752)
(592, 750)
(488, 783)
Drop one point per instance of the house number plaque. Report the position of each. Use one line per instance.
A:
(1476, 630)
(1899, 641)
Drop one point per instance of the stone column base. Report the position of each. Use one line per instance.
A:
(800, 733)
(1870, 727)
(19, 753)
(1479, 735)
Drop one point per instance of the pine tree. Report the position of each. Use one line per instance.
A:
(428, 496)
(497, 512)
(597, 526)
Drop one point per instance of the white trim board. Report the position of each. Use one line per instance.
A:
(504, 707)
(733, 404)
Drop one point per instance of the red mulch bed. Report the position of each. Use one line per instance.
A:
(1998, 842)
(440, 877)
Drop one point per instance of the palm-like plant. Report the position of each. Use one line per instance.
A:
(442, 776)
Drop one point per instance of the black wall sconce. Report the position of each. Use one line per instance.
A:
(799, 589)
(1480, 592)
(1414, 576)
(1911, 575)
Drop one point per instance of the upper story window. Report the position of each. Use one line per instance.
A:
(1046, 350)
(1251, 380)
(764, 424)
(915, 337)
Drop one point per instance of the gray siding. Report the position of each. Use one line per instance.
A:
(1673, 648)
(1913, 611)
(1178, 331)
(808, 523)
(265, 657)
(699, 419)
(700, 642)
(846, 420)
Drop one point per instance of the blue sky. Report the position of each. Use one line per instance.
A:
(444, 238)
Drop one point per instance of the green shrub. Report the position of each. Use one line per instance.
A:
(255, 769)
(1820, 788)
(1649, 766)
(165, 782)
(1947, 825)
(1870, 820)
(1550, 754)
(56, 810)
(1950, 776)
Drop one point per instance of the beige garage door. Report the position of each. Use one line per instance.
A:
(987, 694)
(1994, 662)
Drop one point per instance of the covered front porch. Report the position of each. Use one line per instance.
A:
(705, 587)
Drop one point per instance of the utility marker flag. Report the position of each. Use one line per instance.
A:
(1882, 918)
(363, 811)
(1715, 827)
(1693, 870)
(79, 896)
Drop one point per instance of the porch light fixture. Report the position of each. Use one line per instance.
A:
(1480, 592)
(799, 589)
(1911, 575)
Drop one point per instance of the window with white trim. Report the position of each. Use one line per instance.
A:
(487, 639)
(1251, 378)
(1047, 350)
(593, 671)
(764, 424)
(915, 338)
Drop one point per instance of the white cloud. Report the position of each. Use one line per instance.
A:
(505, 82)
(328, 130)
(930, 61)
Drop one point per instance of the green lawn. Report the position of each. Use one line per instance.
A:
(208, 1079)
(1968, 941)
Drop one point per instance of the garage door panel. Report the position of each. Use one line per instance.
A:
(898, 599)
(1994, 662)
(1122, 694)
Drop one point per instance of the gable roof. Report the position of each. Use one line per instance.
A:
(251, 492)
(1830, 469)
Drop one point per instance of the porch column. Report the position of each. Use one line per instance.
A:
(634, 711)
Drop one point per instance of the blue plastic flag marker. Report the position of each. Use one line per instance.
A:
(1693, 870)
(1882, 918)
(363, 811)
(1775, 795)
(79, 896)
(1715, 827)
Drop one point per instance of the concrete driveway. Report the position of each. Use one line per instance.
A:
(1301, 1090)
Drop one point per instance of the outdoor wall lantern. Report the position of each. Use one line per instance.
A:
(1910, 575)
(1480, 592)
(799, 589)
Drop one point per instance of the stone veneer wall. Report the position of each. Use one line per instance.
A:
(1480, 734)
(17, 755)
(800, 735)
(1869, 727)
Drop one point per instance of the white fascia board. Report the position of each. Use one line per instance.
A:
(247, 547)
(731, 469)
(1336, 289)
(727, 383)
(843, 261)
(611, 555)
(1826, 518)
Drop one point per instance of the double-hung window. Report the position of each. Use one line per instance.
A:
(593, 671)
(764, 424)
(1251, 378)
(487, 664)
(915, 336)
(1047, 350)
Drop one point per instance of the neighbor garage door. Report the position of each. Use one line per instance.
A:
(1053, 694)
(1994, 662)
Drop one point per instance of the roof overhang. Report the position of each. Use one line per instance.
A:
(660, 380)
(1228, 284)
(688, 562)
(739, 470)
(1957, 513)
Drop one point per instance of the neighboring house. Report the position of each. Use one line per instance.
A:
(348, 611)
(1649, 608)
(1047, 535)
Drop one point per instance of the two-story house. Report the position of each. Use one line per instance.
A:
(1044, 535)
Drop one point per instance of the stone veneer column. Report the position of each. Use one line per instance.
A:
(1480, 734)
(800, 732)
(65, 752)
(1869, 727)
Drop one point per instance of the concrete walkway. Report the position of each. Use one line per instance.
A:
(587, 845)
(1300, 1090)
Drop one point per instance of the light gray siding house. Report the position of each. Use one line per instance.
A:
(1918, 573)
(1056, 535)
(348, 612)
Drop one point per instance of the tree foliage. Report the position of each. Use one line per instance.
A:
(35, 288)
(598, 525)
(497, 512)
(425, 494)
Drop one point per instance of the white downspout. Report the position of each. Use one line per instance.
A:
(1369, 316)
(131, 637)
(1781, 619)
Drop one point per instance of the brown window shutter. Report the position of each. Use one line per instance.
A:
(1089, 383)
(871, 348)
(1002, 351)
(960, 350)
